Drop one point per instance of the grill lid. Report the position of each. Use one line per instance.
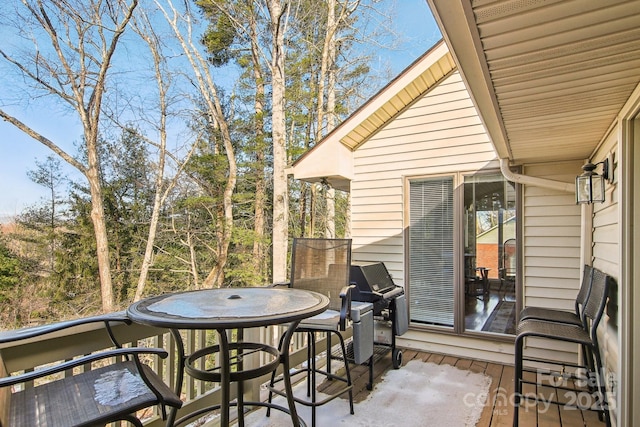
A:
(372, 280)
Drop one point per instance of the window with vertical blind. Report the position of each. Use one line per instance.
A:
(431, 250)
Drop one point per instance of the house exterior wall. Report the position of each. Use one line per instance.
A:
(605, 255)
(442, 134)
(487, 248)
(487, 256)
(439, 134)
(551, 256)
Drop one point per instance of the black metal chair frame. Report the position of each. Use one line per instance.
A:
(563, 316)
(584, 335)
(72, 400)
(340, 302)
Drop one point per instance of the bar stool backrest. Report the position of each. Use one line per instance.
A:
(585, 289)
(597, 300)
(321, 265)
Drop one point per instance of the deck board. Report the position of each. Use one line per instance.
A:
(498, 411)
(503, 408)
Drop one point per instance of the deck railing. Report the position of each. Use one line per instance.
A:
(38, 352)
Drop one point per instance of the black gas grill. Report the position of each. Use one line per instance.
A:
(375, 285)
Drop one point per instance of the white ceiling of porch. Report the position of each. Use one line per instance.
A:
(549, 76)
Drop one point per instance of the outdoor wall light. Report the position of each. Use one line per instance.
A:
(590, 185)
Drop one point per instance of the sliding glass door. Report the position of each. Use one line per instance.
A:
(489, 239)
(464, 224)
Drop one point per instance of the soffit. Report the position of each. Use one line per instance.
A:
(548, 76)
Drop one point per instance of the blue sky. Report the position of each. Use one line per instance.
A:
(18, 152)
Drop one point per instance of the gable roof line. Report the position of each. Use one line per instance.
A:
(422, 75)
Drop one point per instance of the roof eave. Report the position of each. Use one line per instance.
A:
(459, 31)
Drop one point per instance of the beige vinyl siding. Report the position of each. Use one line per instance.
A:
(468, 346)
(551, 223)
(440, 133)
(606, 255)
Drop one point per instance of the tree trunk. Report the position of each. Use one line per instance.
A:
(81, 87)
(203, 80)
(280, 188)
(163, 184)
(330, 229)
(326, 110)
(99, 225)
(158, 200)
(261, 185)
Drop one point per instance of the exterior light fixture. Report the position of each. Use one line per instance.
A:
(590, 185)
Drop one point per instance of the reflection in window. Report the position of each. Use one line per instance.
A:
(489, 253)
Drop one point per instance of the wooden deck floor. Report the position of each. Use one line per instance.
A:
(498, 411)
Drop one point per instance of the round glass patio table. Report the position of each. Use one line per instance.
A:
(222, 310)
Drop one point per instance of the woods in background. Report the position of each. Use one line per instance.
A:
(190, 113)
